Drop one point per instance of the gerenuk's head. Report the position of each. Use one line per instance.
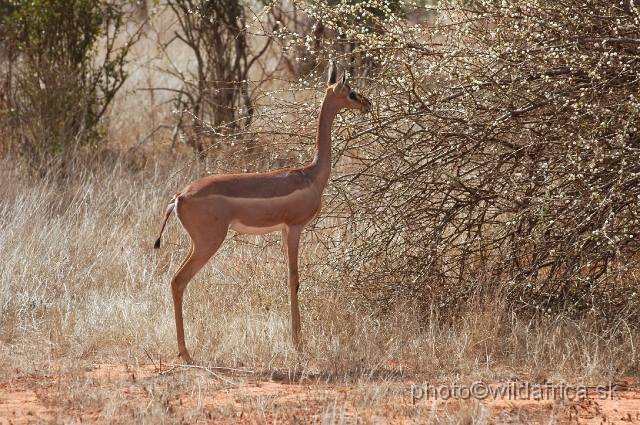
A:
(348, 98)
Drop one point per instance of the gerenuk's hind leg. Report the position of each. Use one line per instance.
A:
(201, 252)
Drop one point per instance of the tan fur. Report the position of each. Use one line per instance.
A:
(286, 200)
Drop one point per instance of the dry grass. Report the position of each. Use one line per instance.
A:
(82, 286)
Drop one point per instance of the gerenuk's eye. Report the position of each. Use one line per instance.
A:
(353, 96)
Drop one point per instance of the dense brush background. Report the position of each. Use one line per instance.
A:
(482, 222)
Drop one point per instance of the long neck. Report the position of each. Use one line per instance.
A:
(322, 160)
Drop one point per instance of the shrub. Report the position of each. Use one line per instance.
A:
(63, 62)
(505, 153)
(214, 97)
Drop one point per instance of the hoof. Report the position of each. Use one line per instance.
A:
(186, 359)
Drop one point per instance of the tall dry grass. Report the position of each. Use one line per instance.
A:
(82, 284)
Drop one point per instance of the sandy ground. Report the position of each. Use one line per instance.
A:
(151, 393)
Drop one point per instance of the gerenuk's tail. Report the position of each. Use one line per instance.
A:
(167, 213)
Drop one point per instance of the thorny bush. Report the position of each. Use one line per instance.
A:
(504, 154)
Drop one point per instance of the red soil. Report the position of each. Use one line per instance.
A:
(120, 393)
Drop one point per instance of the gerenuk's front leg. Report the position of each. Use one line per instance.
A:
(292, 244)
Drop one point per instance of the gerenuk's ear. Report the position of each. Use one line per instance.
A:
(338, 87)
(333, 74)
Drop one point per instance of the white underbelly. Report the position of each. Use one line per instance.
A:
(249, 230)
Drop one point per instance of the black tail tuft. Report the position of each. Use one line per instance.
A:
(167, 213)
